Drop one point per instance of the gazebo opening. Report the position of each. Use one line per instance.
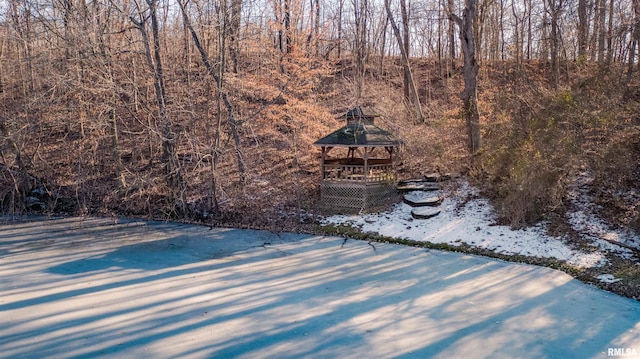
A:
(358, 164)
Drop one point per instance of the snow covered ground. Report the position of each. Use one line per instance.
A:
(584, 219)
(85, 288)
(473, 223)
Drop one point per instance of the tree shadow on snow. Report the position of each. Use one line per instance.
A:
(187, 292)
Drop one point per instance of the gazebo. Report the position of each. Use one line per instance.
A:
(360, 175)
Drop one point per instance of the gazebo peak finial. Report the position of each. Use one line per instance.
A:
(359, 114)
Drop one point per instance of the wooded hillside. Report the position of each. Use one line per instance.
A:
(208, 109)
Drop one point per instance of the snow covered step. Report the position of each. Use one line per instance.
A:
(418, 186)
(424, 212)
(413, 180)
(437, 177)
(415, 201)
(429, 177)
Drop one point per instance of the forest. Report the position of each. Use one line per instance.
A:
(207, 110)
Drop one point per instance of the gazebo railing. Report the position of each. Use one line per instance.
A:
(360, 173)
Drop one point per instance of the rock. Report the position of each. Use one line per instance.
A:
(39, 192)
(424, 212)
(418, 186)
(34, 203)
(423, 202)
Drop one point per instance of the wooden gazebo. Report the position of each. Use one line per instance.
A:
(360, 175)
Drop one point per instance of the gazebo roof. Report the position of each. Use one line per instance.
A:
(361, 134)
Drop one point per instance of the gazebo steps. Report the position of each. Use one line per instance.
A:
(424, 206)
(418, 186)
(424, 212)
(437, 177)
(432, 201)
(428, 178)
(429, 182)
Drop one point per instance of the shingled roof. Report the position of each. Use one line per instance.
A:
(359, 133)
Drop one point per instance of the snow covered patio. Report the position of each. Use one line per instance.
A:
(76, 287)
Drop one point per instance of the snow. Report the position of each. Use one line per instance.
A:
(608, 278)
(471, 223)
(584, 219)
(88, 287)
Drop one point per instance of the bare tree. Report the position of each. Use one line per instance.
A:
(340, 34)
(583, 28)
(173, 174)
(452, 34)
(235, 11)
(601, 19)
(469, 95)
(316, 28)
(406, 43)
(517, 33)
(383, 42)
(529, 6)
(103, 37)
(415, 99)
(555, 8)
(287, 26)
(635, 38)
(314, 31)
(360, 17)
(12, 156)
(610, 34)
(217, 76)
(21, 21)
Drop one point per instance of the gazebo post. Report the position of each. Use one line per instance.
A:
(323, 156)
(324, 152)
(390, 151)
(366, 164)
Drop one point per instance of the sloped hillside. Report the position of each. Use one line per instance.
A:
(541, 142)
(95, 147)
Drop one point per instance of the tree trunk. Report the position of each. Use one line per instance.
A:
(610, 34)
(360, 13)
(555, 10)
(503, 40)
(406, 41)
(583, 28)
(21, 18)
(277, 12)
(635, 38)
(469, 95)
(602, 13)
(234, 33)
(529, 29)
(317, 28)
(452, 34)
(287, 26)
(340, 10)
(383, 44)
(544, 41)
(405, 60)
(517, 35)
